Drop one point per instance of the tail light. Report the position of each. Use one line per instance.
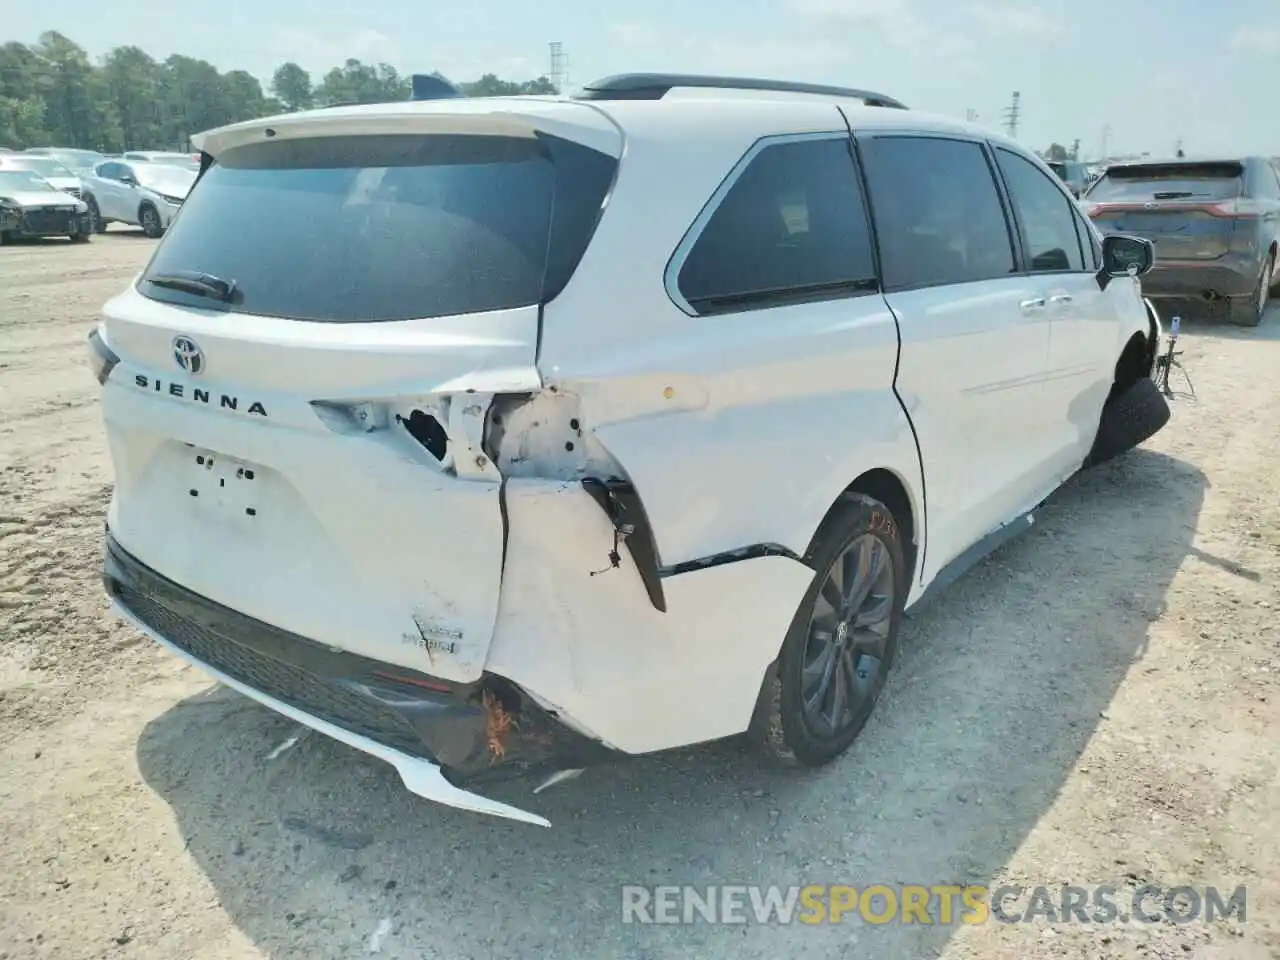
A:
(102, 360)
(1237, 209)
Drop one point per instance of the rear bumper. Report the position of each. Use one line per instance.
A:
(435, 733)
(1230, 276)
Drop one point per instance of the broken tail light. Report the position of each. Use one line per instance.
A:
(102, 360)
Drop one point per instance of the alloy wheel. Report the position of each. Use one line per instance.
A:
(844, 659)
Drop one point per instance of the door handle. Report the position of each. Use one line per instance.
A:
(1035, 303)
(1060, 298)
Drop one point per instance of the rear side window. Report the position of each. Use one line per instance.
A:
(1045, 215)
(792, 228)
(350, 229)
(938, 214)
(1170, 181)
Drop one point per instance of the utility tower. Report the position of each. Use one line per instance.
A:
(1013, 114)
(1106, 139)
(559, 74)
(971, 115)
(1075, 149)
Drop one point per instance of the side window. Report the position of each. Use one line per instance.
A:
(111, 171)
(1046, 216)
(1090, 244)
(792, 228)
(1268, 181)
(938, 215)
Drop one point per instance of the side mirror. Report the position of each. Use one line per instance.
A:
(128, 180)
(1124, 256)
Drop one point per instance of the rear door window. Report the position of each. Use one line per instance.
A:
(1194, 182)
(937, 211)
(792, 228)
(1044, 214)
(349, 229)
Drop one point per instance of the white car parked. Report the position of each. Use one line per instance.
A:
(518, 434)
(141, 194)
(48, 169)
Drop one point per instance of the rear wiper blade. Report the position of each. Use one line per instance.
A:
(1173, 195)
(200, 284)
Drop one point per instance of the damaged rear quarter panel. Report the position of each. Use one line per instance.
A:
(584, 638)
(744, 429)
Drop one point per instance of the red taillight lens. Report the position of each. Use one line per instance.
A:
(1237, 209)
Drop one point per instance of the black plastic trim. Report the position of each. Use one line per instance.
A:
(654, 86)
(971, 557)
(621, 504)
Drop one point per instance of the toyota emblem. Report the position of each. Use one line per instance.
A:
(187, 354)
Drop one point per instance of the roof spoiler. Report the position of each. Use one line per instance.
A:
(427, 86)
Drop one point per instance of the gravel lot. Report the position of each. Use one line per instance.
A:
(1095, 704)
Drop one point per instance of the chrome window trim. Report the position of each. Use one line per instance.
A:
(671, 275)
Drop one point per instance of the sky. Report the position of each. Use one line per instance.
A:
(1141, 75)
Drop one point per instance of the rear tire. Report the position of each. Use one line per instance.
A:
(1250, 311)
(80, 237)
(818, 695)
(1131, 417)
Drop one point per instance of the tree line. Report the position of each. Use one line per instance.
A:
(53, 94)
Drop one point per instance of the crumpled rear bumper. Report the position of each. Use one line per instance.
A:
(420, 776)
(438, 735)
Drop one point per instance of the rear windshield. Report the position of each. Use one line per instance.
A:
(347, 229)
(1174, 181)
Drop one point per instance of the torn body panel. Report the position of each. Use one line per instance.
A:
(585, 639)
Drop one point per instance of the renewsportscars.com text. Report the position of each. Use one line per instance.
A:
(942, 904)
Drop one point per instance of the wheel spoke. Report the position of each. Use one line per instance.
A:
(875, 610)
(840, 689)
(830, 593)
(815, 701)
(871, 562)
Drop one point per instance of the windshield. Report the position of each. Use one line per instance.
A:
(1171, 181)
(178, 160)
(346, 229)
(44, 166)
(19, 181)
(165, 178)
(81, 160)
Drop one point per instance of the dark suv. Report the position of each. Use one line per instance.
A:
(1215, 224)
(1071, 172)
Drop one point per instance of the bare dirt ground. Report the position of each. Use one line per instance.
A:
(1096, 704)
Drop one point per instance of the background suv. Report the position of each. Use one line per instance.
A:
(1215, 224)
(1073, 173)
(511, 435)
(145, 194)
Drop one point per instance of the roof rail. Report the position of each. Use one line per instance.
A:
(654, 86)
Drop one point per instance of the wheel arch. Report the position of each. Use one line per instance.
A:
(892, 489)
